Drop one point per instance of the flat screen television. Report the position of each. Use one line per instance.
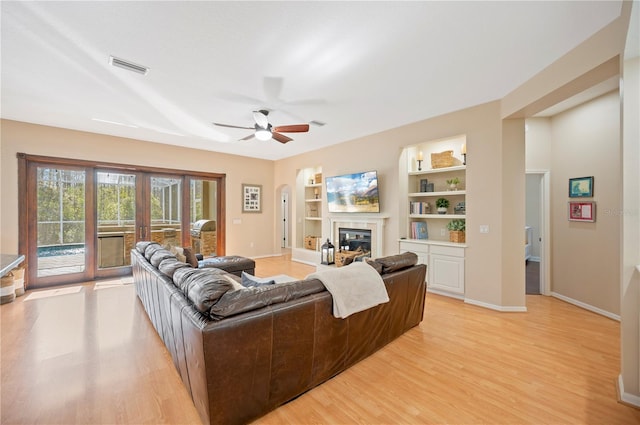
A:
(353, 193)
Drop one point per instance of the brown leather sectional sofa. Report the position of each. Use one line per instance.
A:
(246, 352)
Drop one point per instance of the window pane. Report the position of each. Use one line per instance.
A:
(116, 194)
(203, 201)
(60, 227)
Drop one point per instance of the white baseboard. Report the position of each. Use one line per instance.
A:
(445, 293)
(626, 398)
(586, 306)
(266, 256)
(501, 308)
(308, 263)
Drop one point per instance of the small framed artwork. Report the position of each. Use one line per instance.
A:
(251, 198)
(581, 187)
(582, 211)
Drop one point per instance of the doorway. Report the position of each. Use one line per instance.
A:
(537, 232)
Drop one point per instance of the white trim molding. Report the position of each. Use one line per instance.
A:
(445, 293)
(625, 398)
(501, 308)
(586, 306)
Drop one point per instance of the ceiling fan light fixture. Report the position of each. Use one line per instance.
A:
(263, 134)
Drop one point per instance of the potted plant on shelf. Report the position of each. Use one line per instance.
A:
(442, 204)
(457, 230)
(453, 183)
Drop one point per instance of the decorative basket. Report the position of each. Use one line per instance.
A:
(311, 242)
(456, 236)
(344, 258)
(442, 159)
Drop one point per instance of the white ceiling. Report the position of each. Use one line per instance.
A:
(360, 67)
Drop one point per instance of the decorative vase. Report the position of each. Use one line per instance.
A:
(442, 210)
(453, 186)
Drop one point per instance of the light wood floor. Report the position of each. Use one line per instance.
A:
(87, 354)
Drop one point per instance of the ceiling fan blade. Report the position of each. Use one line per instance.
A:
(261, 118)
(251, 136)
(281, 137)
(295, 128)
(232, 126)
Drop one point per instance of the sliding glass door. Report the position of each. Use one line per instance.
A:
(60, 247)
(79, 220)
(116, 218)
(165, 209)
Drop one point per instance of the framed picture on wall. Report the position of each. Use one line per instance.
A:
(581, 187)
(582, 211)
(251, 198)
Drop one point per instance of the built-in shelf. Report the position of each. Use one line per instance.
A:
(449, 216)
(313, 218)
(438, 170)
(313, 200)
(313, 185)
(433, 242)
(446, 193)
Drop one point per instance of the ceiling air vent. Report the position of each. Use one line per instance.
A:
(318, 123)
(130, 66)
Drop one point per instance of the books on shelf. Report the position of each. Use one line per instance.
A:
(419, 207)
(419, 230)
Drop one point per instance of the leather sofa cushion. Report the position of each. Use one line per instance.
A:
(203, 287)
(393, 263)
(159, 255)
(142, 245)
(373, 263)
(235, 302)
(169, 266)
(151, 249)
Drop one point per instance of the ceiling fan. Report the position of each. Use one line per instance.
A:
(265, 131)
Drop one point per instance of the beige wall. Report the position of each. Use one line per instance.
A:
(630, 213)
(538, 144)
(487, 260)
(582, 141)
(249, 238)
(586, 256)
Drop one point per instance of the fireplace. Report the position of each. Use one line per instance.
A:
(359, 225)
(351, 239)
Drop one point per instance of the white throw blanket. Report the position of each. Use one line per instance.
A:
(354, 288)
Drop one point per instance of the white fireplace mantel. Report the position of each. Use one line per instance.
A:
(375, 223)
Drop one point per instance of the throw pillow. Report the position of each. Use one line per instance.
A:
(179, 253)
(236, 285)
(190, 256)
(249, 281)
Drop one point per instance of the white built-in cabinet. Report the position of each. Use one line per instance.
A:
(445, 264)
(445, 260)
